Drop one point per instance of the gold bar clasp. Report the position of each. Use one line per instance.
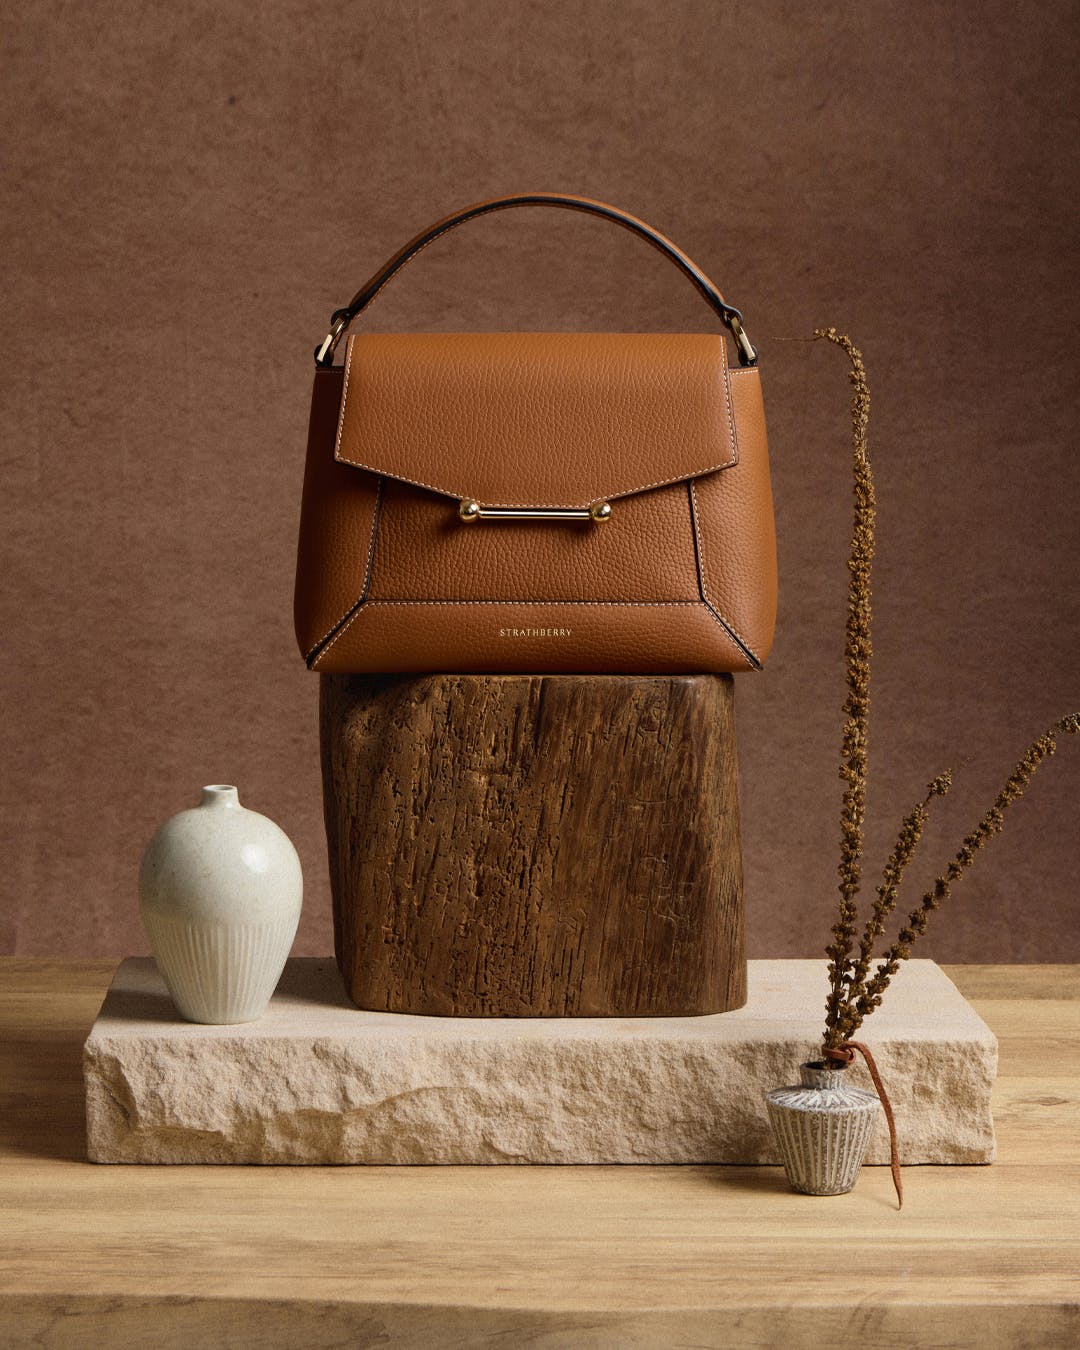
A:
(470, 510)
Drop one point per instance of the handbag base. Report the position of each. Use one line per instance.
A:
(534, 845)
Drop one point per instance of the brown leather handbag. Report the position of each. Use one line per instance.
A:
(571, 502)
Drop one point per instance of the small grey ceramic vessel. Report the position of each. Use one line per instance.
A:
(823, 1127)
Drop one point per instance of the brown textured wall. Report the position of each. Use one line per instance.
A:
(190, 188)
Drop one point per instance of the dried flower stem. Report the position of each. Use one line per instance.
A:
(857, 650)
(852, 997)
(991, 824)
(907, 841)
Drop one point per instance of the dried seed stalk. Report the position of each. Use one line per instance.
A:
(852, 997)
(991, 824)
(903, 850)
(857, 650)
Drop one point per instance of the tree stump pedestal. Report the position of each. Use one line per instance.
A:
(534, 845)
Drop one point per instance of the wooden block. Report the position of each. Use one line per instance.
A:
(532, 846)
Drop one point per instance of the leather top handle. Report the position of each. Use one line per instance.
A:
(729, 315)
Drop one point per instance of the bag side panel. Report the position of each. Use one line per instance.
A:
(337, 526)
(736, 532)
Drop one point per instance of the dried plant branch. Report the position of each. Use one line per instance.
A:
(990, 825)
(907, 842)
(852, 997)
(857, 650)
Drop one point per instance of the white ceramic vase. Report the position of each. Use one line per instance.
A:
(220, 890)
(823, 1126)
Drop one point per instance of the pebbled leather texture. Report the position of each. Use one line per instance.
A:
(536, 419)
(682, 578)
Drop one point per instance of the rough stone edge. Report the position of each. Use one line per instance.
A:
(279, 1137)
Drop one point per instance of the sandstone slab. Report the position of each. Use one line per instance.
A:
(317, 1081)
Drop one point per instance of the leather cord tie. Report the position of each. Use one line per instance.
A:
(845, 1055)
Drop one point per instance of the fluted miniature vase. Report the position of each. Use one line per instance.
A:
(823, 1127)
(220, 890)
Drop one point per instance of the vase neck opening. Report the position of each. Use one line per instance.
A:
(821, 1074)
(220, 795)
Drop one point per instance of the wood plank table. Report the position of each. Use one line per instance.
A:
(545, 1256)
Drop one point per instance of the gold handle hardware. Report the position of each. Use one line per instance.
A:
(747, 351)
(470, 510)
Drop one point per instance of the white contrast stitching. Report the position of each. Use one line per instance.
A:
(727, 403)
(555, 506)
(638, 604)
(592, 604)
(561, 506)
(367, 575)
(346, 621)
(731, 412)
(362, 606)
(720, 619)
(344, 395)
(723, 624)
(313, 660)
(358, 609)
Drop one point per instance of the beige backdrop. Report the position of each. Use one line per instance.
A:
(190, 188)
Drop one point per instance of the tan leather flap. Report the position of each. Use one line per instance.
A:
(536, 419)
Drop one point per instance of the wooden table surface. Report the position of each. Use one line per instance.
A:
(544, 1256)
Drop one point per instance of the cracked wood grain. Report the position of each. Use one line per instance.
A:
(527, 845)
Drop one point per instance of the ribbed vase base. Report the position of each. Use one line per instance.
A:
(220, 974)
